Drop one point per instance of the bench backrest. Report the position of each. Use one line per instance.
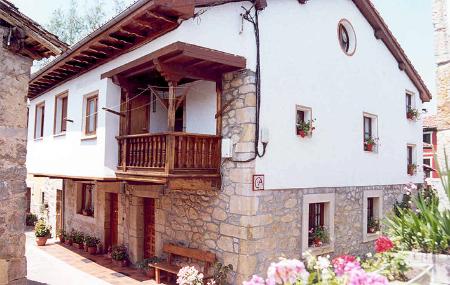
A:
(201, 255)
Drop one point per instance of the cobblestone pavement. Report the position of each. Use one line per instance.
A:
(55, 264)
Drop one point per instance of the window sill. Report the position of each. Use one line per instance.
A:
(59, 134)
(38, 139)
(321, 250)
(80, 216)
(89, 137)
(371, 236)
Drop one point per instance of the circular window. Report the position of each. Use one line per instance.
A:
(347, 37)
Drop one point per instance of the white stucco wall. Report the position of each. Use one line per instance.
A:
(302, 63)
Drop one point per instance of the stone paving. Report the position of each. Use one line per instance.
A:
(57, 264)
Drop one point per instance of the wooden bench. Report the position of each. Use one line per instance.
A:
(208, 258)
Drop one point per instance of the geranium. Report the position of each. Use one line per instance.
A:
(188, 275)
(383, 244)
(287, 271)
(344, 264)
(256, 280)
(360, 277)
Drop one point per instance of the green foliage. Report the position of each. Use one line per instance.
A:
(373, 224)
(78, 237)
(307, 126)
(370, 141)
(426, 229)
(413, 113)
(91, 241)
(31, 219)
(41, 229)
(320, 233)
(61, 233)
(444, 173)
(143, 265)
(221, 272)
(119, 253)
(71, 235)
(390, 264)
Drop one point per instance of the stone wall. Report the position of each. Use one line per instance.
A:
(14, 76)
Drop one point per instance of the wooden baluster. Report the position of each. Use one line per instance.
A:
(147, 147)
(204, 154)
(179, 142)
(210, 152)
(157, 152)
(151, 151)
(163, 151)
(188, 152)
(144, 151)
(138, 152)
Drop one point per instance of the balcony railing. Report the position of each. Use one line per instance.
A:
(170, 153)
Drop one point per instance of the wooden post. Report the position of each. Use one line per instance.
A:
(219, 108)
(170, 142)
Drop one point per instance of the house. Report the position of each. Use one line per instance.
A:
(430, 146)
(237, 128)
(22, 41)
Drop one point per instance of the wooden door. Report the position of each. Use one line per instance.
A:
(114, 218)
(139, 114)
(58, 210)
(149, 227)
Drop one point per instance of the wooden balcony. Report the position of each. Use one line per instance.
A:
(163, 157)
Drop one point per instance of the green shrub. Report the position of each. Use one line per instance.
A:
(91, 241)
(78, 237)
(119, 253)
(41, 229)
(31, 219)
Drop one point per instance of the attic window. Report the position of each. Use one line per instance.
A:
(347, 37)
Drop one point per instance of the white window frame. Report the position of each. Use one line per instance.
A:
(87, 96)
(431, 136)
(414, 158)
(329, 200)
(413, 99)
(431, 158)
(378, 194)
(374, 131)
(308, 116)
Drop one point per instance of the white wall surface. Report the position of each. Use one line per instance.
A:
(302, 63)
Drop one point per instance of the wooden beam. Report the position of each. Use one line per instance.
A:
(182, 97)
(113, 112)
(160, 17)
(171, 109)
(218, 108)
(161, 100)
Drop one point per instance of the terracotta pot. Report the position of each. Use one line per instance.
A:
(77, 245)
(409, 116)
(369, 147)
(41, 241)
(411, 170)
(317, 242)
(120, 263)
(92, 250)
(150, 272)
(301, 133)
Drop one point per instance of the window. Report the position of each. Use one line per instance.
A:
(87, 200)
(39, 121)
(427, 162)
(427, 137)
(60, 113)
(409, 102)
(370, 128)
(372, 214)
(42, 197)
(304, 121)
(347, 37)
(410, 158)
(91, 115)
(318, 223)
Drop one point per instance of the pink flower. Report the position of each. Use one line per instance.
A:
(286, 271)
(360, 277)
(344, 264)
(256, 280)
(383, 244)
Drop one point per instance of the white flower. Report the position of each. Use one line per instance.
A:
(323, 262)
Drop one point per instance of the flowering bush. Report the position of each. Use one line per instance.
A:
(383, 244)
(344, 264)
(188, 275)
(287, 271)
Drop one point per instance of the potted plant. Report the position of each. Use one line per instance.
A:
(42, 232)
(61, 235)
(369, 143)
(373, 225)
(69, 237)
(78, 241)
(305, 128)
(412, 114)
(412, 169)
(119, 256)
(91, 244)
(31, 219)
(319, 236)
(145, 268)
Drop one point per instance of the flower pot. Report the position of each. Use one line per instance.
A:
(369, 147)
(77, 245)
(411, 170)
(372, 230)
(120, 263)
(410, 116)
(302, 133)
(41, 241)
(92, 250)
(317, 242)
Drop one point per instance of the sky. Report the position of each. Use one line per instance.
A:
(409, 20)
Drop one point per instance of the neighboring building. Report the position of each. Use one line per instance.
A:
(429, 147)
(148, 126)
(21, 41)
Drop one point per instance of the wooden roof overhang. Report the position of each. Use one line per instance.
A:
(382, 32)
(140, 23)
(181, 61)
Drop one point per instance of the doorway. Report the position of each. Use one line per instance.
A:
(111, 219)
(149, 227)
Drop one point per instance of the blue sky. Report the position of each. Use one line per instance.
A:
(409, 20)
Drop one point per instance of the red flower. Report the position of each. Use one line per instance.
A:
(383, 244)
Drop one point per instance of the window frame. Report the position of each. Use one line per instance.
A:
(411, 158)
(329, 212)
(84, 198)
(430, 158)
(373, 131)
(40, 105)
(352, 42)
(377, 196)
(430, 133)
(64, 96)
(88, 99)
(307, 116)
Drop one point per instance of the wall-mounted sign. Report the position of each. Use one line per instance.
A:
(258, 182)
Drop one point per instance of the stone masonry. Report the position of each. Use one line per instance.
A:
(442, 55)
(14, 76)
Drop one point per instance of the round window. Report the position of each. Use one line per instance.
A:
(347, 37)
